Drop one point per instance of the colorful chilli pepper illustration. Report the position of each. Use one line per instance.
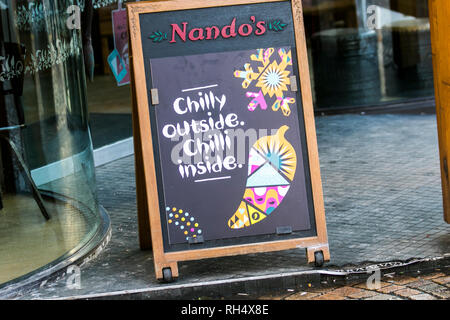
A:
(271, 170)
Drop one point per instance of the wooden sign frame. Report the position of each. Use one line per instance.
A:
(150, 230)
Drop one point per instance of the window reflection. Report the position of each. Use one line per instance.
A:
(369, 52)
(48, 202)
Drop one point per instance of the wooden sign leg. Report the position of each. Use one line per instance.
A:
(318, 254)
(440, 34)
(145, 239)
(166, 272)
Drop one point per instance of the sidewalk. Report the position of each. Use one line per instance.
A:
(383, 205)
(435, 286)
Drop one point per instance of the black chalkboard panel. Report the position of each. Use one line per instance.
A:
(225, 109)
(231, 166)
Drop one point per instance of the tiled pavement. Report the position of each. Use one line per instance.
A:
(382, 187)
(382, 196)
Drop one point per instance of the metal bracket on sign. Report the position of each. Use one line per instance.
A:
(155, 96)
(284, 230)
(196, 240)
(294, 86)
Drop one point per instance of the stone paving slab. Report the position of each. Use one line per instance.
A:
(383, 202)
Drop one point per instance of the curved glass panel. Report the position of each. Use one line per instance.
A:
(48, 201)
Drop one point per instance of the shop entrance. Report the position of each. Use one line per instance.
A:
(365, 56)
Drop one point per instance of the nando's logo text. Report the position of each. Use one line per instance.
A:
(183, 32)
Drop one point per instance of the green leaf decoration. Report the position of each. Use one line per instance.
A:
(277, 25)
(158, 36)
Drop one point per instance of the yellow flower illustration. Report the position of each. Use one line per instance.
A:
(274, 80)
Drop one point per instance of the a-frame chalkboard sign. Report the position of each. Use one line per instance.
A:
(226, 151)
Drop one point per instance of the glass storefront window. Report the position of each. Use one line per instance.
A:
(363, 53)
(48, 202)
(369, 52)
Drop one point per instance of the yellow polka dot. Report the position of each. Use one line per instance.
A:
(195, 236)
(181, 211)
(170, 221)
(182, 219)
(196, 224)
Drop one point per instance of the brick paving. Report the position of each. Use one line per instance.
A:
(383, 203)
(429, 287)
